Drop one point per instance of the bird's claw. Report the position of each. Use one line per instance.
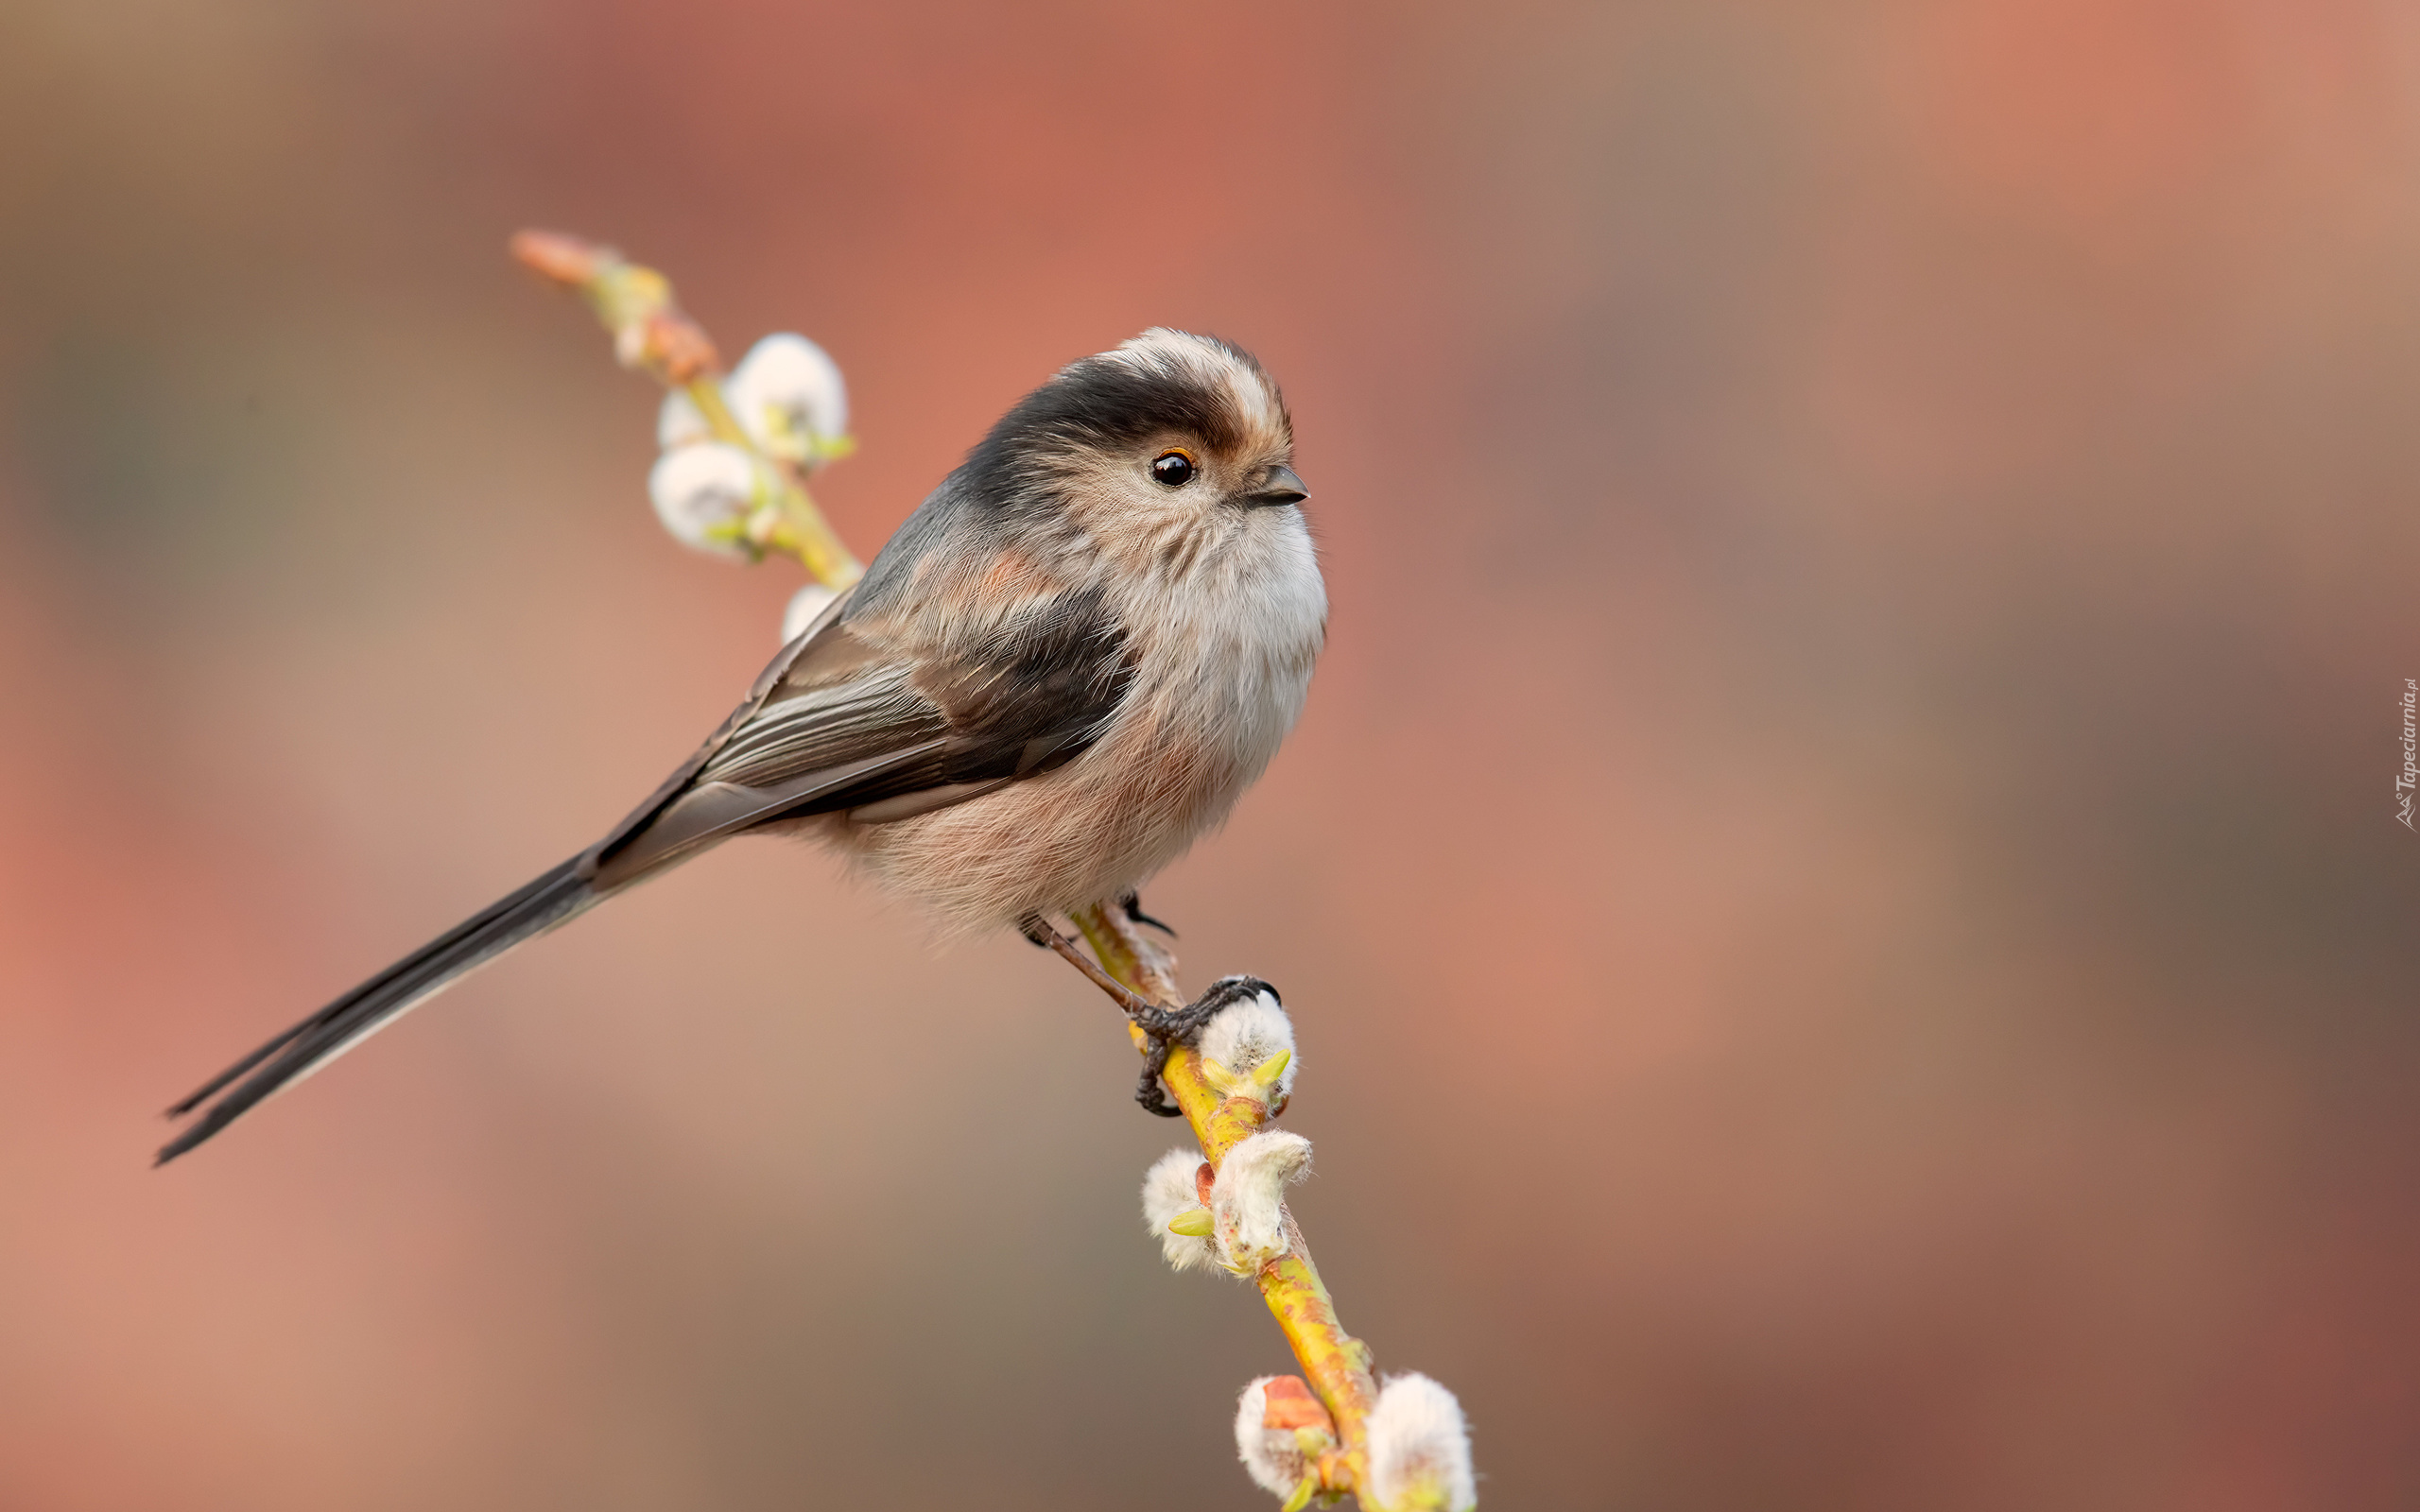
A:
(1166, 1028)
(1131, 905)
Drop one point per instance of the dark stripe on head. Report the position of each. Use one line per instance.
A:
(1115, 402)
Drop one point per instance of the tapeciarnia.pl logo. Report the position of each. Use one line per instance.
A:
(2404, 784)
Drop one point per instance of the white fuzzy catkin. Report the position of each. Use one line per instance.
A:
(787, 394)
(679, 424)
(1420, 1448)
(1244, 1034)
(1167, 1191)
(1247, 1203)
(1273, 1455)
(702, 492)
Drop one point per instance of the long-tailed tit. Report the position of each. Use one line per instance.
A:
(1068, 664)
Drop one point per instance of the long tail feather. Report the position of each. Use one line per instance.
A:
(552, 900)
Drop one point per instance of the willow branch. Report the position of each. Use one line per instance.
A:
(1336, 1365)
(651, 333)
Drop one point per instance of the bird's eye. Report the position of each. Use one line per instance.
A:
(1173, 468)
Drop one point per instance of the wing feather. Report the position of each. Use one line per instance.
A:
(841, 722)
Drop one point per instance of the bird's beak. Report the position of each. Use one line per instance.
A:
(1281, 486)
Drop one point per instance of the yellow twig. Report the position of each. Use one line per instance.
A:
(652, 333)
(1336, 1363)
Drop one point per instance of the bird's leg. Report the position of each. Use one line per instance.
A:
(1131, 905)
(1164, 1028)
(1136, 1005)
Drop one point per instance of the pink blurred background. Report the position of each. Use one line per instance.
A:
(1838, 882)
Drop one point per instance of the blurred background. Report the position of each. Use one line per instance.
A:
(1840, 882)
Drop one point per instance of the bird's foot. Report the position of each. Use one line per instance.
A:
(1164, 1028)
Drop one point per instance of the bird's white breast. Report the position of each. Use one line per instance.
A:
(1227, 648)
(1223, 650)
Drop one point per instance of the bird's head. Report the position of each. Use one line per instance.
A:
(1170, 436)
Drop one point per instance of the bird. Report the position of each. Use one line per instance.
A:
(1068, 664)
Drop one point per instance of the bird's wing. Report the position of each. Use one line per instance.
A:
(850, 719)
